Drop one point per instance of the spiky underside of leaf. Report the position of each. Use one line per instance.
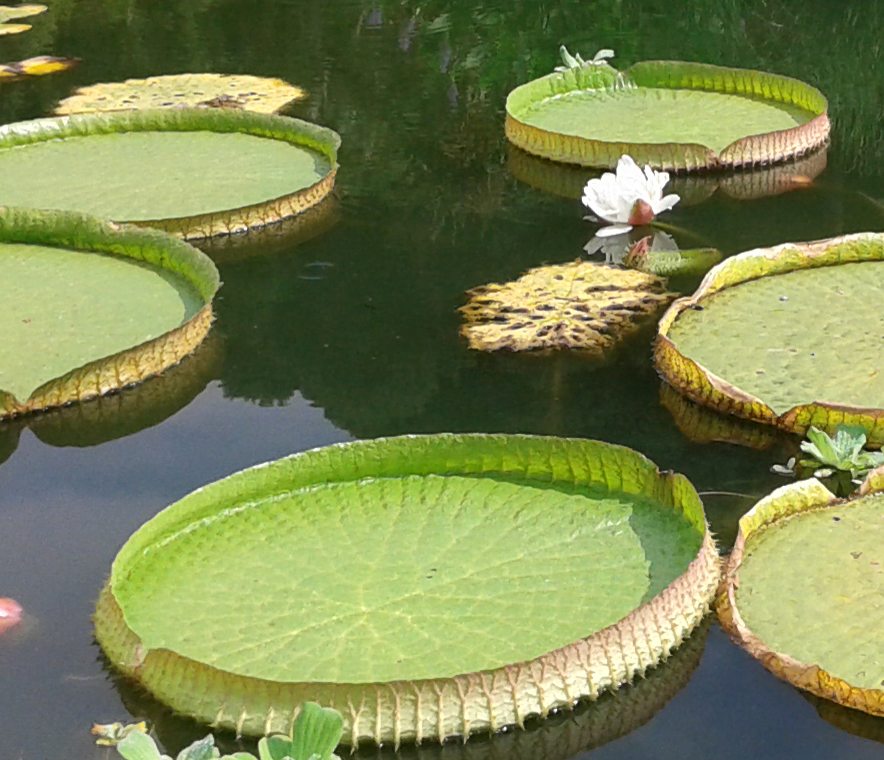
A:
(237, 92)
(584, 306)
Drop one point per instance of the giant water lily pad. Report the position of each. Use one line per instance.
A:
(89, 307)
(424, 586)
(581, 305)
(192, 172)
(236, 91)
(804, 588)
(669, 114)
(789, 336)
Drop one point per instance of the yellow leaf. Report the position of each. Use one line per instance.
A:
(45, 64)
(13, 28)
(582, 305)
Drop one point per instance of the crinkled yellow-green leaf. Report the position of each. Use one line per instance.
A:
(581, 305)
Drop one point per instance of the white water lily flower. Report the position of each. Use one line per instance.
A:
(628, 198)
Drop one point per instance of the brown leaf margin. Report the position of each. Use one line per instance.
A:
(785, 502)
(752, 150)
(705, 387)
(430, 709)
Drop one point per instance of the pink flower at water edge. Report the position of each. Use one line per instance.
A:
(10, 613)
(629, 198)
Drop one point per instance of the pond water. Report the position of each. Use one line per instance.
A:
(353, 333)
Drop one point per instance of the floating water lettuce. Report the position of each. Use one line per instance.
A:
(804, 584)
(788, 336)
(583, 305)
(90, 307)
(194, 172)
(447, 541)
(669, 114)
(232, 91)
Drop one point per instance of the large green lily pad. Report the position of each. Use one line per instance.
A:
(669, 114)
(789, 336)
(90, 307)
(440, 585)
(804, 589)
(192, 172)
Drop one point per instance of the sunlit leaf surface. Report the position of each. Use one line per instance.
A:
(239, 91)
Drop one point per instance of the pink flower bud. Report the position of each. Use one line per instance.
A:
(10, 613)
(641, 213)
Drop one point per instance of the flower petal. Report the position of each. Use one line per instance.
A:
(664, 204)
(613, 229)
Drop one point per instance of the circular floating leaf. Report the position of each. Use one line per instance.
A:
(804, 586)
(582, 305)
(236, 91)
(424, 586)
(669, 114)
(790, 336)
(192, 172)
(90, 307)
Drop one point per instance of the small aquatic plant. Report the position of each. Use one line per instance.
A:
(832, 456)
(315, 734)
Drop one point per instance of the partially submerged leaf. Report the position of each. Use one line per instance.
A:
(582, 305)
(235, 91)
(35, 67)
(7, 13)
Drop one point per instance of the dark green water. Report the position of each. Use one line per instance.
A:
(354, 334)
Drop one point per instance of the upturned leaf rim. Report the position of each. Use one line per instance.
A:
(705, 387)
(403, 711)
(751, 150)
(103, 375)
(223, 221)
(788, 503)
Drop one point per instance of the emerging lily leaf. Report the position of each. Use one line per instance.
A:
(232, 91)
(582, 305)
(111, 734)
